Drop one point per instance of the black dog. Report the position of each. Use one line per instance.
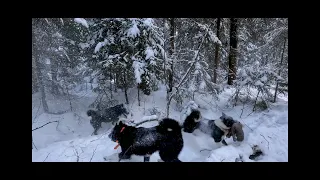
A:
(192, 121)
(165, 138)
(109, 115)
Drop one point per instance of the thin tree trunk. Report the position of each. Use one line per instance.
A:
(115, 81)
(110, 73)
(171, 51)
(39, 75)
(35, 87)
(233, 51)
(54, 75)
(138, 95)
(279, 73)
(125, 86)
(216, 58)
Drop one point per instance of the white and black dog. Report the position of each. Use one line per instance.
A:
(217, 129)
(165, 138)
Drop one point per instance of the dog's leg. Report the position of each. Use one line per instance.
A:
(224, 142)
(146, 158)
(124, 155)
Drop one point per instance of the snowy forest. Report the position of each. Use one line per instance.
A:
(158, 68)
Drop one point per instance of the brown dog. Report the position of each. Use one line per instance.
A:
(236, 132)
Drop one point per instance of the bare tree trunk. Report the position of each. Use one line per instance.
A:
(233, 51)
(35, 87)
(54, 75)
(172, 32)
(110, 73)
(138, 95)
(39, 75)
(115, 81)
(276, 90)
(125, 86)
(216, 58)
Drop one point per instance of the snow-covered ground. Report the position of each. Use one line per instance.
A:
(70, 140)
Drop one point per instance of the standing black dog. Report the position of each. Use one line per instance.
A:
(165, 138)
(192, 121)
(111, 114)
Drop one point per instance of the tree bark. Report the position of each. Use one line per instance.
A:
(125, 86)
(233, 51)
(276, 90)
(217, 49)
(39, 74)
(171, 51)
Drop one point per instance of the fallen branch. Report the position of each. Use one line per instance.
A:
(44, 125)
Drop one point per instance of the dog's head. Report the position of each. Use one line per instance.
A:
(227, 120)
(116, 131)
(196, 115)
(91, 112)
(120, 109)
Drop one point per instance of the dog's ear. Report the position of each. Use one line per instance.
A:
(223, 116)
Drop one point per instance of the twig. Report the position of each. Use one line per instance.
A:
(36, 113)
(34, 144)
(79, 118)
(46, 157)
(77, 154)
(222, 160)
(44, 125)
(100, 136)
(205, 150)
(94, 151)
(242, 109)
(266, 140)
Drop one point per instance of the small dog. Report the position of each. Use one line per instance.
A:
(165, 138)
(192, 121)
(111, 114)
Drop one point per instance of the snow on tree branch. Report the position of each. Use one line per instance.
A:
(81, 21)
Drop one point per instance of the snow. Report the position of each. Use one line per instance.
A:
(48, 61)
(138, 70)
(149, 53)
(70, 140)
(100, 45)
(81, 21)
(133, 31)
(84, 45)
(148, 22)
(146, 118)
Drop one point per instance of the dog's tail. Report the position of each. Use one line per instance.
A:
(91, 112)
(169, 125)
